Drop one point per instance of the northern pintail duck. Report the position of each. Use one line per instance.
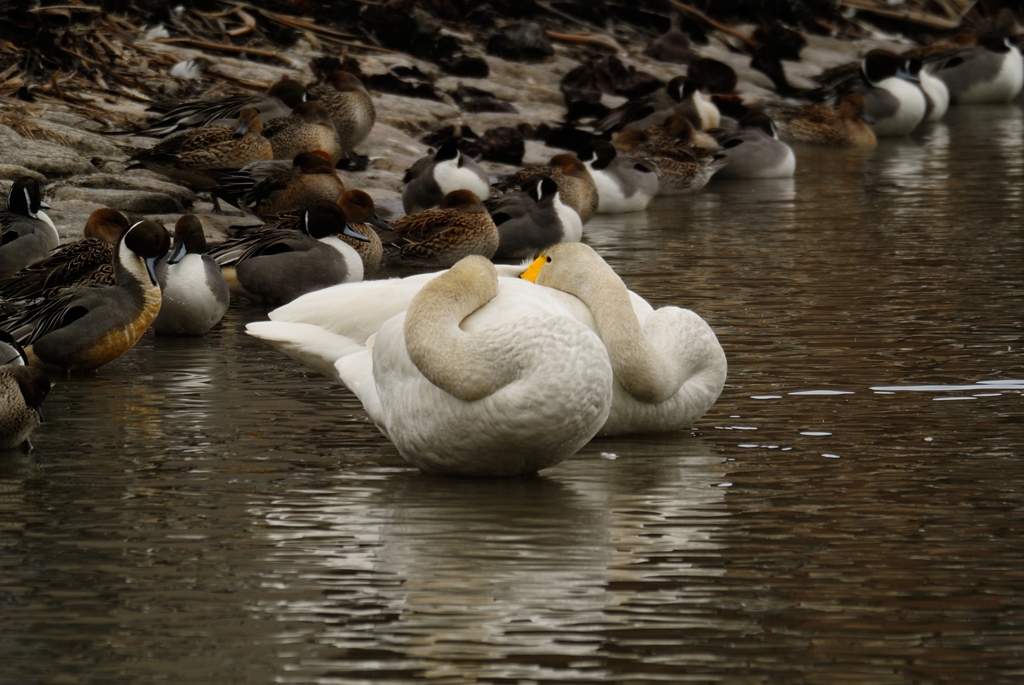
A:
(680, 96)
(892, 96)
(195, 294)
(274, 264)
(362, 216)
(682, 167)
(936, 93)
(576, 186)
(279, 101)
(28, 233)
(755, 151)
(846, 126)
(625, 182)
(307, 128)
(84, 327)
(990, 72)
(188, 155)
(362, 220)
(439, 237)
(88, 261)
(431, 178)
(274, 186)
(350, 106)
(22, 391)
(533, 218)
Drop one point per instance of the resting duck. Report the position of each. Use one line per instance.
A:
(576, 186)
(437, 238)
(431, 178)
(532, 218)
(349, 105)
(195, 294)
(84, 327)
(28, 233)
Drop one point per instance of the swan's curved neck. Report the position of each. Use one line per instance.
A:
(640, 369)
(455, 360)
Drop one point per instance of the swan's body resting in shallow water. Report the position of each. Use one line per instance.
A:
(473, 379)
(668, 365)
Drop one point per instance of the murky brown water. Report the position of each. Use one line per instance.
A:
(204, 511)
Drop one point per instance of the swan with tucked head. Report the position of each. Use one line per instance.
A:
(669, 367)
(477, 377)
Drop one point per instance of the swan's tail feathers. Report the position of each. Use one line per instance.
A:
(308, 344)
(356, 372)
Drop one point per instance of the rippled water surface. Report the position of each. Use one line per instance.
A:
(850, 511)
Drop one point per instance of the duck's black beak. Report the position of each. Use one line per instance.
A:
(375, 220)
(177, 254)
(151, 268)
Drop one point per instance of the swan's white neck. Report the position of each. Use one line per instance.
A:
(452, 359)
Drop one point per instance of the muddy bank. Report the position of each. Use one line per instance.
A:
(54, 129)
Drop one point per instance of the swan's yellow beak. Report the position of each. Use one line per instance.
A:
(533, 270)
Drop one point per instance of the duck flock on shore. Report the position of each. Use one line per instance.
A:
(512, 343)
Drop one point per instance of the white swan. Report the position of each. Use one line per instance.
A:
(674, 346)
(669, 367)
(473, 379)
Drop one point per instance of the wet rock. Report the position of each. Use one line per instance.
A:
(712, 75)
(449, 134)
(673, 46)
(128, 201)
(11, 172)
(472, 99)
(462, 65)
(413, 116)
(503, 144)
(609, 75)
(564, 137)
(134, 182)
(521, 42)
(46, 158)
(584, 104)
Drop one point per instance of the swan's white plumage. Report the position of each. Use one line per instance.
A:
(690, 356)
(557, 397)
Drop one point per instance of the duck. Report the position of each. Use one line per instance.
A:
(86, 261)
(846, 126)
(680, 96)
(275, 264)
(892, 96)
(683, 167)
(28, 233)
(936, 93)
(363, 218)
(990, 72)
(431, 178)
(675, 131)
(189, 155)
(195, 294)
(533, 218)
(81, 328)
(351, 108)
(279, 101)
(668, 366)
(754, 151)
(439, 237)
(309, 127)
(269, 187)
(625, 182)
(22, 391)
(479, 375)
(576, 186)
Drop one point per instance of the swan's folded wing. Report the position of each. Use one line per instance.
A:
(354, 310)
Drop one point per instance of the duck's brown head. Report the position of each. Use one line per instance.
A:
(290, 92)
(106, 225)
(249, 122)
(464, 201)
(569, 164)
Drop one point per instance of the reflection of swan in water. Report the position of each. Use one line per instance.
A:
(451, 577)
